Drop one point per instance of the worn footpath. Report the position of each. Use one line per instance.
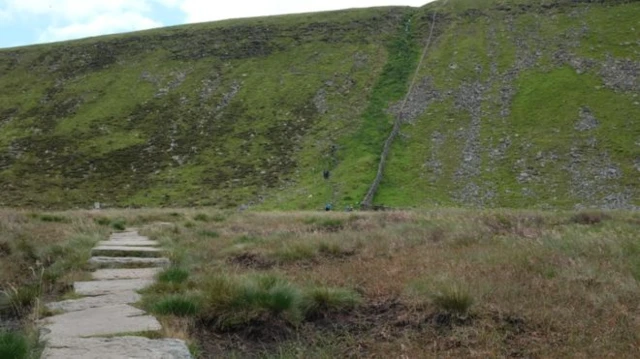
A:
(103, 324)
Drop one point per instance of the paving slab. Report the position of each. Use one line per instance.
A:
(75, 305)
(103, 321)
(124, 273)
(102, 287)
(129, 238)
(130, 242)
(128, 230)
(126, 235)
(118, 348)
(123, 262)
(125, 251)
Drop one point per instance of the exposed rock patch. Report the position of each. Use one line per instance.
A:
(621, 74)
(587, 120)
(422, 95)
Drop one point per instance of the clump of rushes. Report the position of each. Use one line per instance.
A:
(18, 301)
(590, 218)
(201, 217)
(119, 224)
(103, 221)
(13, 345)
(295, 252)
(178, 304)
(209, 234)
(232, 302)
(173, 275)
(53, 218)
(453, 298)
(334, 250)
(320, 300)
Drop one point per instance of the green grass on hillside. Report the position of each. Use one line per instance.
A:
(252, 111)
(539, 135)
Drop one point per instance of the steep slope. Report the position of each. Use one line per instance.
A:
(211, 114)
(523, 105)
(515, 105)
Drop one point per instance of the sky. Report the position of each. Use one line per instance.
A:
(25, 22)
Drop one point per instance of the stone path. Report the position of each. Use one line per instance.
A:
(103, 324)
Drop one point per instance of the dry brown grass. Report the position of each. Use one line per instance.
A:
(543, 284)
(41, 255)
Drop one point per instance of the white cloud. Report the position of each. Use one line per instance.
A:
(99, 25)
(5, 16)
(71, 19)
(75, 9)
(203, 10)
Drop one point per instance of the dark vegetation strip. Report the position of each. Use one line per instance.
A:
(390, 87)
(367, 202)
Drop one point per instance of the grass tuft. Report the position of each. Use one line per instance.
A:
(53, 218)
(5, 249)
(209, 234)
(173, 275)
(219, 218)
(635, 268)
(326, 224)
(247, 239)
(119, 224)
(453, 298)
(590, 218)
(295, 252)
(201, 217)
(333, 250)
(103, 221)
(324, 299)
(179, 305)
(13, 346)
(22, 298)
(238, 301)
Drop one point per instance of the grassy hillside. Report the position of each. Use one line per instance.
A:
(516, 105)
(524, 106)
